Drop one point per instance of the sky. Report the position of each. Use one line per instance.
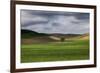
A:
(63, 22)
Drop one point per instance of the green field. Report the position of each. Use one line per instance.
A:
(55, 51)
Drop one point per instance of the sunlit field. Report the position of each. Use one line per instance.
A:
(55, 51)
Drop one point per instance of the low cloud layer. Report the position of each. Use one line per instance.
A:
(55, 21)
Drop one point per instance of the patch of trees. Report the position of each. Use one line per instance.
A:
(62, 39)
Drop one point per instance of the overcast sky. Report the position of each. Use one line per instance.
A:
(55, 21)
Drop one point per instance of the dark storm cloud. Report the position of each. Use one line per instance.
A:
(47, 13)
(55, 21)
(50, 13)
(84, 16)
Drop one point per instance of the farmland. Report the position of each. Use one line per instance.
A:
(76, 49)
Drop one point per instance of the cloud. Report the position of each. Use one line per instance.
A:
(28, 19)
(55, 22)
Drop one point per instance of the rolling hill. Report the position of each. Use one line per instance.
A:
(29, 37)
(30, 34)
(85, 36)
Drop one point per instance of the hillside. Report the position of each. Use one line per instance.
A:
(85, 36)
(80, 37)
(30, 34)
(29, 37)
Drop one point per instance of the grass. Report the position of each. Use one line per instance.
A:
(55, 51)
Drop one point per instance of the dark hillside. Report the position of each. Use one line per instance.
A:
(30, 34)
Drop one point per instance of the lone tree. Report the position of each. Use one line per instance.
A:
(62, 39)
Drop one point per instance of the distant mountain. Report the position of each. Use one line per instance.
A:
(29, 34)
